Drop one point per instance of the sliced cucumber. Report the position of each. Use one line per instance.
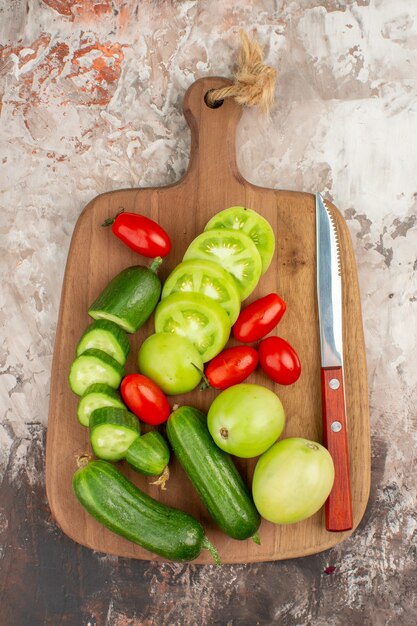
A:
(149, 454)
(95, 397)
(112, 432)
(94, 366)
(107, 336)
(129, 299)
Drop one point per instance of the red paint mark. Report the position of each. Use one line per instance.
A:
(99, 65)
(330, 569)
(87, 76)
(85, 10)
(63, 7)
(56, 157)
(47, 66)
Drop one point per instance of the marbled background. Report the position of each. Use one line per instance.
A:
(91, 101)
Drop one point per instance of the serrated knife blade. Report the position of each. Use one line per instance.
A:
(329, 287)
(338, 507)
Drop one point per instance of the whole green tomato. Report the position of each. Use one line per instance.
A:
(245, 420)
(171, 361)
(292, 480)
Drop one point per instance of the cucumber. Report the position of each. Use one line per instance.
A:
(112, 431)
(213, 474)
(123, 508)
(129, 299)
(107, 336)
(94, 397)
(149, 454)
(94, 366)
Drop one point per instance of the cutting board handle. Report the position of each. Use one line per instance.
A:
(213, 134)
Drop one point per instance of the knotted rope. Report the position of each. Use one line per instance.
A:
(254, 82)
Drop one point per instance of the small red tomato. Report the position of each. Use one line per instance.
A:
(259, 318)
(145, 399)
(279, 360)
(140, 234)
(231, 367)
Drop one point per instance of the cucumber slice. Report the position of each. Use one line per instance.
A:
(112, 432)
(252, 224)
(208, 278)
(95, 397)
(234, 251)
(94, 366)
(149, 454)
(129, 299)
(107, 336)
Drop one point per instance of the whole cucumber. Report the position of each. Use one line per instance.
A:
(127, 511)
(213, 474)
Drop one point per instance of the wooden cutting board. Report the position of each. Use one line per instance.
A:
(212, 183)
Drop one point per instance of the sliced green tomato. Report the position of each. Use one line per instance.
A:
(112, 432)
(94, 397)
(94, 366)
(252, 224)
(208, 278)
(234, 251)
(196, 317)
(107, 336)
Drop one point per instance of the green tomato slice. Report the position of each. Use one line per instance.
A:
(234, 251)
(196, 317)
(207, 278)
(252, 224)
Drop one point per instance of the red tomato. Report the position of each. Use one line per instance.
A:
(140, 233)
(231, 367)
(259, 318)
(279, 360)
(145, 399)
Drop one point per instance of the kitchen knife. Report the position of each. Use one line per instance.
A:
(338, 507)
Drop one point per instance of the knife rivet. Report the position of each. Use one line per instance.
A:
(336, 427)
(334, 383)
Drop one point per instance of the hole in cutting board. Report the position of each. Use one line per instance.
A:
(214, 105)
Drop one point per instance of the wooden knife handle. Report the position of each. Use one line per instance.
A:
(338, 507)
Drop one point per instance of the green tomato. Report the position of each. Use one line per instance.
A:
(250, 223)
(245, 420)
(196, 317)
(171, 361)
(207, 278)
(234, 251)
(292, 480)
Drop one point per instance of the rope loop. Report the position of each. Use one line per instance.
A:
(254, 82)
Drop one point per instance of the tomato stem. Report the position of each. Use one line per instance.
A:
(154, 266)
(205, 384)
(110, 220)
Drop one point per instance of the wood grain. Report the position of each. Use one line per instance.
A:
(338, 508)
(211, 183)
